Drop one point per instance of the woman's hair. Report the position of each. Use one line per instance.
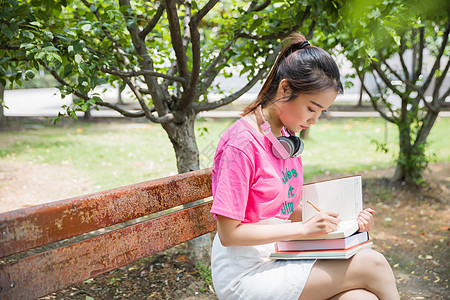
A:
(306, 69)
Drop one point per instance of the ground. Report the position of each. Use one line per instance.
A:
(412, 231)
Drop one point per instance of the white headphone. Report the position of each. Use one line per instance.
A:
(283, 147)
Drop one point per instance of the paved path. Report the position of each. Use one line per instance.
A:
(47, 103)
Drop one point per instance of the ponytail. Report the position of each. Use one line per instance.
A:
(307, 69)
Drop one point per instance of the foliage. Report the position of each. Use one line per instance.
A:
(205, 273)
(168, 53)
(164, 51)
(402, 47)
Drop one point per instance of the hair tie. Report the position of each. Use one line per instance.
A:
(303, 44)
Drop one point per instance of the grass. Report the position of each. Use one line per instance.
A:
(119, 153)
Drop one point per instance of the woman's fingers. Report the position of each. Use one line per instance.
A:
(365, 219)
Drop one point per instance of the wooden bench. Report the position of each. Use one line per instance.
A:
(58, 226)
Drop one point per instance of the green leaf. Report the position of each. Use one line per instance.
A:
(86, 27)
(48, 34)
(78, 58)
(40, 55)
(28, 34)
(27, 46)
(68, 70)
(35, 23)
(29, 74)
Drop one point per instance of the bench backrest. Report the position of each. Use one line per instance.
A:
(44, 225)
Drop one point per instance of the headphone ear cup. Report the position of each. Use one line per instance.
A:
(287, 143)
(298, 145)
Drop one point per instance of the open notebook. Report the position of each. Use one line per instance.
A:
(342, 195)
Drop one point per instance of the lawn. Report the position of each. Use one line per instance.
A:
(119, 153)
(412, 223)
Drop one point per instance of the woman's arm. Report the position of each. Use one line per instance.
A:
(296, 216)
(234, 233)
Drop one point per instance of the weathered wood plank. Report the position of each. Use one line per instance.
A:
(34, 226)
(56, 269)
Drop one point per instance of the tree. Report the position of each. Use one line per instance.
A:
(2, 98)
(167, 52)
(403, 46)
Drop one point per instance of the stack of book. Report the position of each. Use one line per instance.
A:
(343, 195)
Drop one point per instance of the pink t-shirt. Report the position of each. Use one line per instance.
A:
(249, 183)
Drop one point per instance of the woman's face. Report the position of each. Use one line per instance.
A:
(305, 109)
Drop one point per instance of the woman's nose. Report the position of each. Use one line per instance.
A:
(313, 120)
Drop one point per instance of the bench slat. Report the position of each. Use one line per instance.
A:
(56, 269)
(34, 226)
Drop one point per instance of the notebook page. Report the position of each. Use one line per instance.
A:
(343, 195)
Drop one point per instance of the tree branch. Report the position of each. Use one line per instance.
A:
(438, 57)
(310, 33)
(203, 11)
(63, 82)
(445, 95)
(123, 112)
(148, 113)
(384, 78)
(380, 90)
(418, 71)
(137, 93)
(255, 7)
(186, 20)
(438, 85)
(146, 63)
(114, 43)
(376, 106)
(276, 35)
(177, 42)
(211, 71)
(86, 97)
(143, 72)
(152, 23)
(188, 96)
(212, 105)
(9, 47)
(402, 60)
(172, 70)
(406, 81)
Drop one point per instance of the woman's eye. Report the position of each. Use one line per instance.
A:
(311, 110)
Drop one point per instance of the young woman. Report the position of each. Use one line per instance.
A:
(256, 205)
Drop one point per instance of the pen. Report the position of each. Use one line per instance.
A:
(312, 204)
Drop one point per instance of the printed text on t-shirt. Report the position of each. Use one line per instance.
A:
(288, 207)
(288, 175)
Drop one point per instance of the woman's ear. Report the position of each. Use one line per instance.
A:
(284, 87)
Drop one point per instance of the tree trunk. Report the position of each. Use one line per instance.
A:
(2, 97)
(182, 137)
(88, 115)
(400, 169)
(361, 90)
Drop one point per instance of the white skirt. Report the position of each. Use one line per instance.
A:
(248, 273)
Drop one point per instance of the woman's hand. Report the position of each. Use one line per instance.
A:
(321, 223)
(365, 219)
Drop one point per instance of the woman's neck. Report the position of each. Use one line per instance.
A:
(272, 117)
